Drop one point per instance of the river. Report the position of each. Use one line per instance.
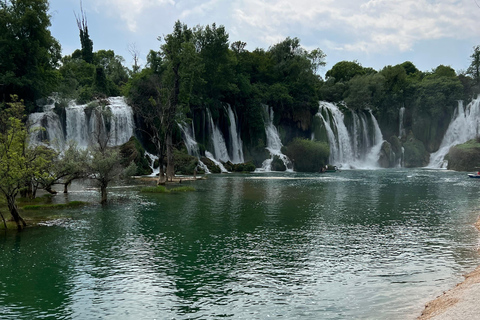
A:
(357, 244)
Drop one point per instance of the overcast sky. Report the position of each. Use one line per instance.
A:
(376, 33)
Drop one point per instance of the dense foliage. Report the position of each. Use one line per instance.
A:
(307, 155)
(29, 55)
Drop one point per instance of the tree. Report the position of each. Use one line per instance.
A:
(474, 68)
(29, 54)
(85, 41)
(19, 163)
(177, 83)
(66, 166)
(104, 162)
(343, 71)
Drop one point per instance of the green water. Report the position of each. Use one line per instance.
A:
(353, 244)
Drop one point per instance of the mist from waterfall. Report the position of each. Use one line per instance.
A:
(464, 126)
(355, 147)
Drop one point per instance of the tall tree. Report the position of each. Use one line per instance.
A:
(181, 72)
(474, 68)
(85, 41)
(28, 52)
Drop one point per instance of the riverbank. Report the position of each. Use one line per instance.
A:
(460, 302)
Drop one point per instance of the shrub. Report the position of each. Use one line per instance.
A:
(307, 155)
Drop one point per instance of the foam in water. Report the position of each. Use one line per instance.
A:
(351, 149)
(465, 125)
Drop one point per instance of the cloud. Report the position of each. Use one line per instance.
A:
(370, 26)
(349, 25)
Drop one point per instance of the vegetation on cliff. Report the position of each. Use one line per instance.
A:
(465, 157)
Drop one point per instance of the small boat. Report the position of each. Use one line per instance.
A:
(474, 175)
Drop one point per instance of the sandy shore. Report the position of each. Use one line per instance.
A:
(461, 302)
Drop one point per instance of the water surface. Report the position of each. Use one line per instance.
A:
(354, 244)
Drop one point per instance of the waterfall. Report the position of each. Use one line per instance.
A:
(401, 125)
(274, 144)
(464, 126)
(188, 134)
(83, 123)
(235, 140)
(46, 126)
(220, 151)
(358, 147)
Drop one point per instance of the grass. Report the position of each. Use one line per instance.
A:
(72, 204)
(163, 189)
(471, 144)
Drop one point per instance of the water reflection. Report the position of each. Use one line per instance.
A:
(350, 245)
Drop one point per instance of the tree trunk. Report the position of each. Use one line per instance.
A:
(50, 190)
(65, 187)
(170, 158)
(161, 171)
(4, 222)
(103, 190)
(12, 206)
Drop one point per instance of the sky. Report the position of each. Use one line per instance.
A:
(375, 33)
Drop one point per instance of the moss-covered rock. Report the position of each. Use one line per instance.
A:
(184, 163)
(415, 153)
(277, 164)
(132, 150)
(387, 156)
(212, 167)
(464, 157)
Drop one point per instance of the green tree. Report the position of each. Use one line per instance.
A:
(29, 54)
(343, 71)
(474, 68)
(65, 167)
(85, 41)
(103, 162)
(20, 164)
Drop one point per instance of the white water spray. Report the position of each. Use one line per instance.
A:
(465, 125)
(355, 149)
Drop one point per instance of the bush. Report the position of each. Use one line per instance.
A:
(307, 155)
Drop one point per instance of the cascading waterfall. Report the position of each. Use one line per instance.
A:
(235, 140)
(83, 124)
(357, 148)
(464, 126)
(188, 134)
(52, 128)
(274, 144)
(220, 151)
